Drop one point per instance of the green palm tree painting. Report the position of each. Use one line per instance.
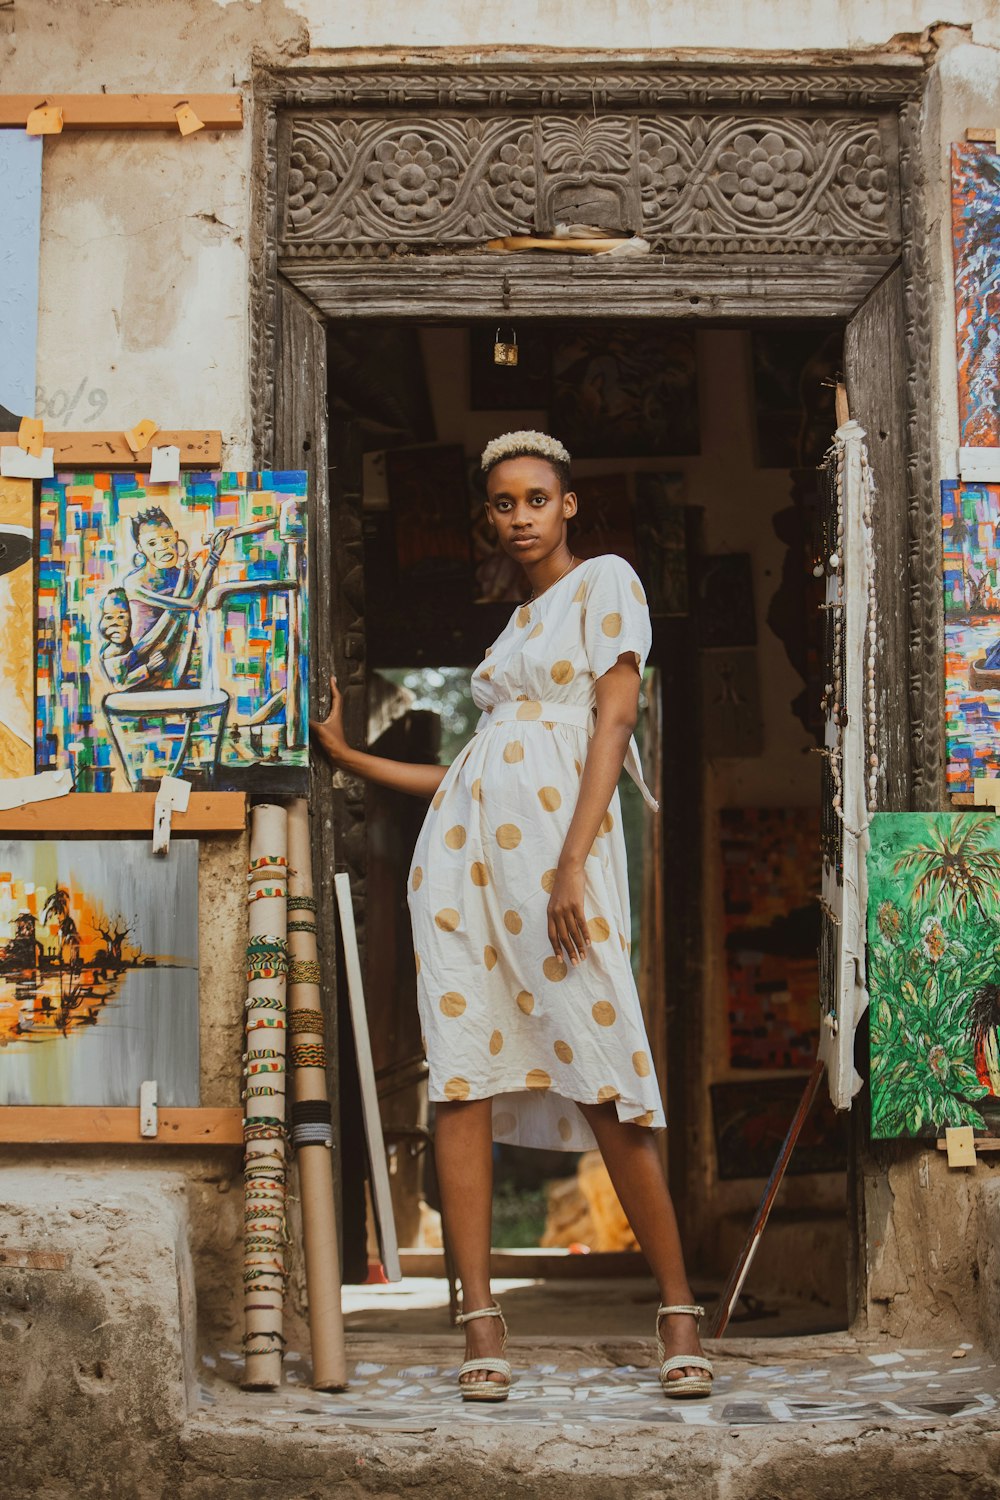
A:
(934, 972)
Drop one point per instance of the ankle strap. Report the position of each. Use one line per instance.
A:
(480, 1312)
(691, 1308)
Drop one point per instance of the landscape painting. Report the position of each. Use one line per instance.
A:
(970, 518)
(975, 225)
(98, 972)
(173, 631)
(934, 972)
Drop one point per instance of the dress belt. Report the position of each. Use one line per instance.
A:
(530, 711)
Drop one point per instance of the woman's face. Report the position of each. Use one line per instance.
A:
(526, 504)
(158, 545)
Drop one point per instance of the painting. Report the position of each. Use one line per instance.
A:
(751, 1121)
(17, 680)
(21, 195)
(732, 721)
(173, 629)
(795, 373)
(526, 386)
(724, 607)
(625, 392)
(934, 972)
(770, 882)
(660, 522)
(98, 972)
(603, 521)
(377, 379)
(429, 504)
(970, 521)
(975, 228)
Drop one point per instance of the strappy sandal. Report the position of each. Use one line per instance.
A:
(687, 1385)
(485, 1390)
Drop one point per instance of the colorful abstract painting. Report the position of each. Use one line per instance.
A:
(770, 882)
(975, 226)
(17, 745)
(98, 972)
(970, 521)
(934, 972)
(173, 629)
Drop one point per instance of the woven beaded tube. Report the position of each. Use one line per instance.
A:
(302, 972)
(309, 1055)
(305, 1020)
(302, 926)
(301, 903)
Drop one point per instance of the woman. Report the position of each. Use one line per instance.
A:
(518, 897)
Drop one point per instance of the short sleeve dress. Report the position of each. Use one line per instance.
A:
(501, 1017)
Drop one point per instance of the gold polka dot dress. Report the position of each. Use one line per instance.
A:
(502, 1018)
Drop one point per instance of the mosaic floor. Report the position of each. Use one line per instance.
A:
(403, 1379)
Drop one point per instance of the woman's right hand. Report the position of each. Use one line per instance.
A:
(330, 731)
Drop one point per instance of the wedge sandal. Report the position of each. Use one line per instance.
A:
(688, 1386)
(485, 1390)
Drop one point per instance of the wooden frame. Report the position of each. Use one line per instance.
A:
(79, 1125)
(125, 812)
(93, 450)
(126, 111)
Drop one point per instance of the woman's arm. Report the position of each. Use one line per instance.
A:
(401, 775)
(617, 710)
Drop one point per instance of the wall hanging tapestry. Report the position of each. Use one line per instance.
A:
(933, 974)
(98, 972)
(173, 627)
(975, 228)
(970, 517)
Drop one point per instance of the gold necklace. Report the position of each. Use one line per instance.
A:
(572, 564)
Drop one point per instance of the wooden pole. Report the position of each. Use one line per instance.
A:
(739, 1273)
(312, 1134)
(264, 1121)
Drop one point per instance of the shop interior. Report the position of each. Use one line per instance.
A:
(695, 455)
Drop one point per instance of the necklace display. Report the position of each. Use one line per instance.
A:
(533, 596)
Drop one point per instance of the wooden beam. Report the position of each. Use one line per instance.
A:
(108, 450)
(984, 1143)
(125, 812)
(78, 1126)
(126, 111)
(981, 135)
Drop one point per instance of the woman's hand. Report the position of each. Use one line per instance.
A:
(567, 924)
(330, 731)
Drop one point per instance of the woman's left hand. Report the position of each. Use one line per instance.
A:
(567, 924)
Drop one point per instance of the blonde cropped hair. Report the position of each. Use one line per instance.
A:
(527, 444)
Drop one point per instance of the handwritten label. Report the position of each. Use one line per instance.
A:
(60, 405)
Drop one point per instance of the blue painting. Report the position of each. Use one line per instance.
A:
(173, 629)
(970, 523)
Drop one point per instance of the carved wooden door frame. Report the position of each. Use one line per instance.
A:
(765, 191)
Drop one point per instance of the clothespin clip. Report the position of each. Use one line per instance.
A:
(142, 434)
(31, 436)
(960, 1144)
(172, 796)
(986, 792)
(149, 1115)
(45, 119)
(187, 121)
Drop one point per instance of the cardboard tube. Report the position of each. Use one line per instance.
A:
(319, 1220)
(264, 1108)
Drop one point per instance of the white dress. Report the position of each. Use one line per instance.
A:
(501, 1017)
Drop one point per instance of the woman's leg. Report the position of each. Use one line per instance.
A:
(633, 1164)
(463, 1160)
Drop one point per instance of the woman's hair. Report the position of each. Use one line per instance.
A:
(153, 515)
(528, 445)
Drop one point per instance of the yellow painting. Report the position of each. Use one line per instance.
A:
(17, 684)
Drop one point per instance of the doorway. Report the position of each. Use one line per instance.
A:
(715, 502)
